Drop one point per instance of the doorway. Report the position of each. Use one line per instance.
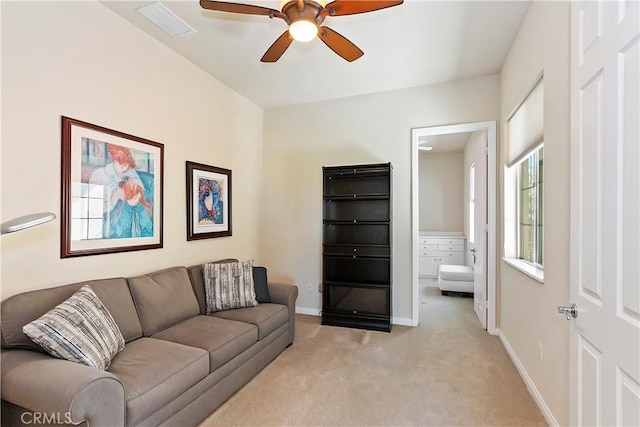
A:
(417, 135)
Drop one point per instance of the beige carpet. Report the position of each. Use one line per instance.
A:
(448, 371)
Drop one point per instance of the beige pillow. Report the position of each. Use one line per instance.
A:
(229, 285)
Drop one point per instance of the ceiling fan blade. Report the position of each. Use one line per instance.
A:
(247, 9)
(351, 7)
(339, 44)
(277, 48)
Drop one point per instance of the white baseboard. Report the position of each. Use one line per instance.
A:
(528, 381)
(402, 321)
(308, 311)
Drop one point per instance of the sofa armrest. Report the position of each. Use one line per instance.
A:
(282, 293)
(65, 390)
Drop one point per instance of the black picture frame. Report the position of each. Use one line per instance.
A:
(209, 202)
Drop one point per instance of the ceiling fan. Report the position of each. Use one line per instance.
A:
(304, 18)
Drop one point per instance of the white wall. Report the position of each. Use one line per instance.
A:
(527, 307)
(441, 191)
(374, 128)
(80, 60)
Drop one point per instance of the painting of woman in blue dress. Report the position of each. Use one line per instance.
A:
(210, 210)
(128, 195)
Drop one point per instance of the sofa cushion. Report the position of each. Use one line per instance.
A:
(79, 329)
(267, 317)
(223, 339)
(163, 299)
(229, 285)
(154, 372)
(260, 284)
(18, 310)
(196, 275)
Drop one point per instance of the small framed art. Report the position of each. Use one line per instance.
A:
(208, 201)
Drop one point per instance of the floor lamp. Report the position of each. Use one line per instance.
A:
(26, 221)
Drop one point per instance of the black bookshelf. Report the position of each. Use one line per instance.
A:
(356, 254)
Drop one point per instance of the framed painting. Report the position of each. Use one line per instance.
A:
(112, 185)
(208, 201)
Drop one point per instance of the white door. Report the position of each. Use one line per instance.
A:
(478, 243)
(605, 214)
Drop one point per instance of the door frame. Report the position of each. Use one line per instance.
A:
(490, 128)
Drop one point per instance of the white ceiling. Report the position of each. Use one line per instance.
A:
(414, 44)
(445, 142)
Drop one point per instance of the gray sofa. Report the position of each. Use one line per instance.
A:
(178, 364)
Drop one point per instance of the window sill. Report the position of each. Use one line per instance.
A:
(535, 273)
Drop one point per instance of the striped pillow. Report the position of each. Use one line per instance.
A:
(79, 329)
(229, 285)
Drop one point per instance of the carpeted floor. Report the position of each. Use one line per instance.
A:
(445, 372)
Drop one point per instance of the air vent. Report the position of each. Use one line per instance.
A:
(160, 15)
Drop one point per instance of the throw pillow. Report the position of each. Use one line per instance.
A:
(80, 330)
(260, 284)
(229, 285)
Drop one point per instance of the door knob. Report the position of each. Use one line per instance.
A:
(571, 311)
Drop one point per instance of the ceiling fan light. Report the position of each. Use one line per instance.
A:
(303, 30)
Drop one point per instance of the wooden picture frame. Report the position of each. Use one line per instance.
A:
(112, 191)
(208, 201)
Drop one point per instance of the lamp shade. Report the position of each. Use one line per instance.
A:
(303, 30)
(26, 221)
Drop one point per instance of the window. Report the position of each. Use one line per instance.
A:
(530, 197)
(523, 185)
(472, 202)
